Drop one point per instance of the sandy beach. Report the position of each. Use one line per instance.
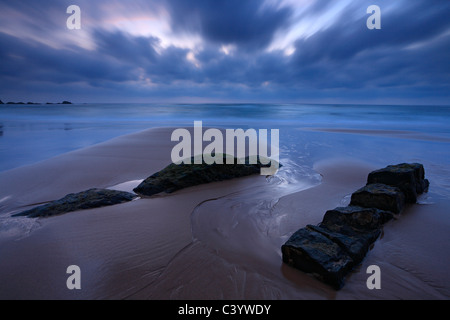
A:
(216, 241)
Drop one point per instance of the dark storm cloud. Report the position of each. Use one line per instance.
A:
(139, 56)
(37, 62)
(126, 49)
(418, 21)
(407, 57)
(246, 23)
(349, 55)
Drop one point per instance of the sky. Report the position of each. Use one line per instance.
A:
(186, 51)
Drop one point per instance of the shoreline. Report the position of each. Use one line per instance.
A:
(401, 134)
(215, 241)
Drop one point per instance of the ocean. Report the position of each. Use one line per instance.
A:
(379, 134)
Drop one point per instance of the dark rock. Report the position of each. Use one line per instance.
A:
(175, 177)
(314, 253)
(66, 102)
(380, 196)
(343, 238)
(341, 241)
(353, 228)
(355, 243)
(1, 102)
(355, 217)
(92, 198)
(408, 177)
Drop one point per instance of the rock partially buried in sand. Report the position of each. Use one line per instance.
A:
(92, 198)
(408, 177)
(178, 176)
(349, 232)
(330, 250)
(358, 218)
(315, 253)
(353, 242)
(380, 196)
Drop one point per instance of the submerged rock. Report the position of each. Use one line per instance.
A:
(380, 196)
(408, 177)
(178, 176)
(92, 198)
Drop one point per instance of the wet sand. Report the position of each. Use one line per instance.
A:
(215, 241)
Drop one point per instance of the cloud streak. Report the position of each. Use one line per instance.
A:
(225, 50)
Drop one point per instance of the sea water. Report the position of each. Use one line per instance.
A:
(31, 133)
(378, 134)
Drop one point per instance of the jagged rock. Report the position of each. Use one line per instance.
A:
(380, 196)
(314, 253)
(408, 177)
(92, 198)
(178, 176)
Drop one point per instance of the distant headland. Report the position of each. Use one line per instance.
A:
(64, 102)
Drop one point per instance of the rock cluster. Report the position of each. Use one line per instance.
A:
(38, 103)
(330, 250)
(170, 179)
(89, 199)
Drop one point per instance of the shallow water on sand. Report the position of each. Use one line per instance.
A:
(379, 135)
(31, 133)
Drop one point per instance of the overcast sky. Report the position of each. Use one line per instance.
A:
(226, 51)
